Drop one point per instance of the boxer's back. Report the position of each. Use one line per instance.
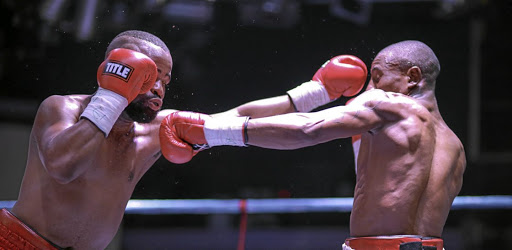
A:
(86, 212)
(409, 172)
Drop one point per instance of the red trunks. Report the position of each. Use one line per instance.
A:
(14, 234)
(393, 242)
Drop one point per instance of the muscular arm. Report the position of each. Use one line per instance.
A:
(292, 131)
(180, 130)
(65, 143)
(262, 108)
(343, 75)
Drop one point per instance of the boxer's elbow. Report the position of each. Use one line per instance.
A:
(60, 174)
(310, 134)
(62, 179)
(60, 169)
(297, 137)
(307, 138)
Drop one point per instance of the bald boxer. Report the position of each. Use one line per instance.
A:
(409, 162)
(87, 152)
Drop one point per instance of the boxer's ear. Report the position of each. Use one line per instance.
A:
(414, 74)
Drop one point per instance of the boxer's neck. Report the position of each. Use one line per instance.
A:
(123, 125)
(429, 101)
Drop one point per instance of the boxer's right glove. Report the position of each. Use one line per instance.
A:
(121, 77)
(183, 134)
(342, 75)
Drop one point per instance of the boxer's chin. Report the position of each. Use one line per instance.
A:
(139, 111)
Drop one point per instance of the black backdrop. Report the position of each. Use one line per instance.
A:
(222, 64)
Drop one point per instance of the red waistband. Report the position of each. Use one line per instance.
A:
(14, 234)
(391, 242)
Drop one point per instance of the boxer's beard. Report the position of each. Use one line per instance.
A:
(139, 111)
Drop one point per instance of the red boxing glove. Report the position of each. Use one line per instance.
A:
(180, 130)
(121, 77)
(343, 75)
(127, 73)
(177, 131)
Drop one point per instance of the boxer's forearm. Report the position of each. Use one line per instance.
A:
(68, 153)
(262, 108)
(289, 131)
(298, 130)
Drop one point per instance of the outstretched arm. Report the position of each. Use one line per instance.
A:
(262, 108)
(181, 130)
(342, 75)
(298, 130)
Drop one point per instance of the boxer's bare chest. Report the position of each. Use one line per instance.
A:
(118, 158)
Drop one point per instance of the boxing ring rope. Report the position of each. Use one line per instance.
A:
(280, 205)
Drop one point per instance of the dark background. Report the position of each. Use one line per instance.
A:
(247, 50)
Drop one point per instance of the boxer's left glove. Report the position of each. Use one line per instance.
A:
(121, 77)
(183, 134)
(342, 75)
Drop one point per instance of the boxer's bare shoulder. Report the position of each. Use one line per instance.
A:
(64, 102)
(393, 106)
(60, 109)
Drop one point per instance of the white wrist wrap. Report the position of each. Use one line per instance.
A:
(225, 131)
(309, 96)
(104, 109)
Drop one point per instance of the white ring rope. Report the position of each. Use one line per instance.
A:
(285, 205)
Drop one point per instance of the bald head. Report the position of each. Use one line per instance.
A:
(126, 38)
(407, 54)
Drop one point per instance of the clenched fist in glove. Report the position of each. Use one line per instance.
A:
(121, 77)
(342, 75)
(183, 134)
